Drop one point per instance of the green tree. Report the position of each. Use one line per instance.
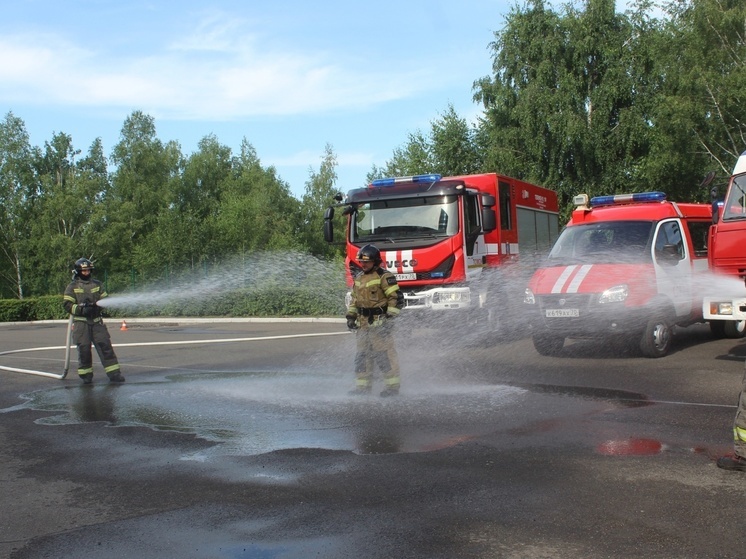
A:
(257, 211)
(182, 235)
(453, 146)
(18, 192)
(319, 194)
(571, 101)
(65, 204)
(705, 90)
(140, 190)
(413, 158)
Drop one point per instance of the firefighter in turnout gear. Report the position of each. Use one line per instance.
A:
(376, 300)
(737, 461)
(80, 300)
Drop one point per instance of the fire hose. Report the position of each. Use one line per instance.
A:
(43, 373)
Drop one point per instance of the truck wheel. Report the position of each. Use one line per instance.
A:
(548, 344)
(717, 329)
(735, 329)
(657, 337)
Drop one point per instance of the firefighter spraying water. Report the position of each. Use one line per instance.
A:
(80, 300)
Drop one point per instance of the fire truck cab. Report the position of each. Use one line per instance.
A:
(624, 265)
(438, 235)
(726, 309)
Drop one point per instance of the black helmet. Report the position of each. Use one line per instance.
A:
(83, 264)
(369, 253)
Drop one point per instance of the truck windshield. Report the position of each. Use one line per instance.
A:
(611, 241)
(735, 205)
(407, 218)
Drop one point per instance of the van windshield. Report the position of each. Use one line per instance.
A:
(611, 241)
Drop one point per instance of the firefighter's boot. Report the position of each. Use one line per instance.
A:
(734, 462)
(87, 378)
(361, 391)
(389, 391)
(116, 377)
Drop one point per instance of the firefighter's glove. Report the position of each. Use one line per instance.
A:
(351, 321)
(89, 310)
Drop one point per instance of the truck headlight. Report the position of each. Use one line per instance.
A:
(724, 308)
(615, 294)
(528, 297)
(451, 297)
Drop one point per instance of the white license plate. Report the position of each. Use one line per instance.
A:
(562, 313)
(405, 277)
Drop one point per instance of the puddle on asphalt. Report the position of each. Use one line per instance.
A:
(256, 413)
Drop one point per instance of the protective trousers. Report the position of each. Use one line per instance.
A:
(739, 425)
(375, 346)
(84, 335)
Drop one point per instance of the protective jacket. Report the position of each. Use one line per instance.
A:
(375, 294)
(81, 291)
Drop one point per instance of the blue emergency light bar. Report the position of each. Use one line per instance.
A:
(416, 178)
(611, 200)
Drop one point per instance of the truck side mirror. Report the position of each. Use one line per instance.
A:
(488, 200)
(329, 225)
(489, 220)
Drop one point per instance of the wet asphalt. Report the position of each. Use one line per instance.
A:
(239, 440)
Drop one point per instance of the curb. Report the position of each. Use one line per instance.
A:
(186, 320)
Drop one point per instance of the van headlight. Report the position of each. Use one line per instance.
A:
(615, 294)
(528, 297)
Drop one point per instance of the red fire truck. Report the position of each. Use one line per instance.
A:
(439, 235)
(727, 241)
(625, 265)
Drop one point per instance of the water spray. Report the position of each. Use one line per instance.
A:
(255, 271)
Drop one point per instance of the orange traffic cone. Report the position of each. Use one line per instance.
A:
(124, 326)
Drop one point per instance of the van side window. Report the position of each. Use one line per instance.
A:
(668, 239)
(698, 232)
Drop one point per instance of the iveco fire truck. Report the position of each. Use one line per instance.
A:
(727, 241)
(624, 266)
(439, 235)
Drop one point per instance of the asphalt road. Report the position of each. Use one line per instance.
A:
(239, 440)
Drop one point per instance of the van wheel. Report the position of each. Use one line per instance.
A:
(734, 328)
(548, 344)
(657, 337)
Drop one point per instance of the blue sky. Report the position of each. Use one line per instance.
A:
(290, 76)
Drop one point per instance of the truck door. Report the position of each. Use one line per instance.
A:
(475, 249)
(673, 265)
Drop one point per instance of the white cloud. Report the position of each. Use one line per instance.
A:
(217, 73)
